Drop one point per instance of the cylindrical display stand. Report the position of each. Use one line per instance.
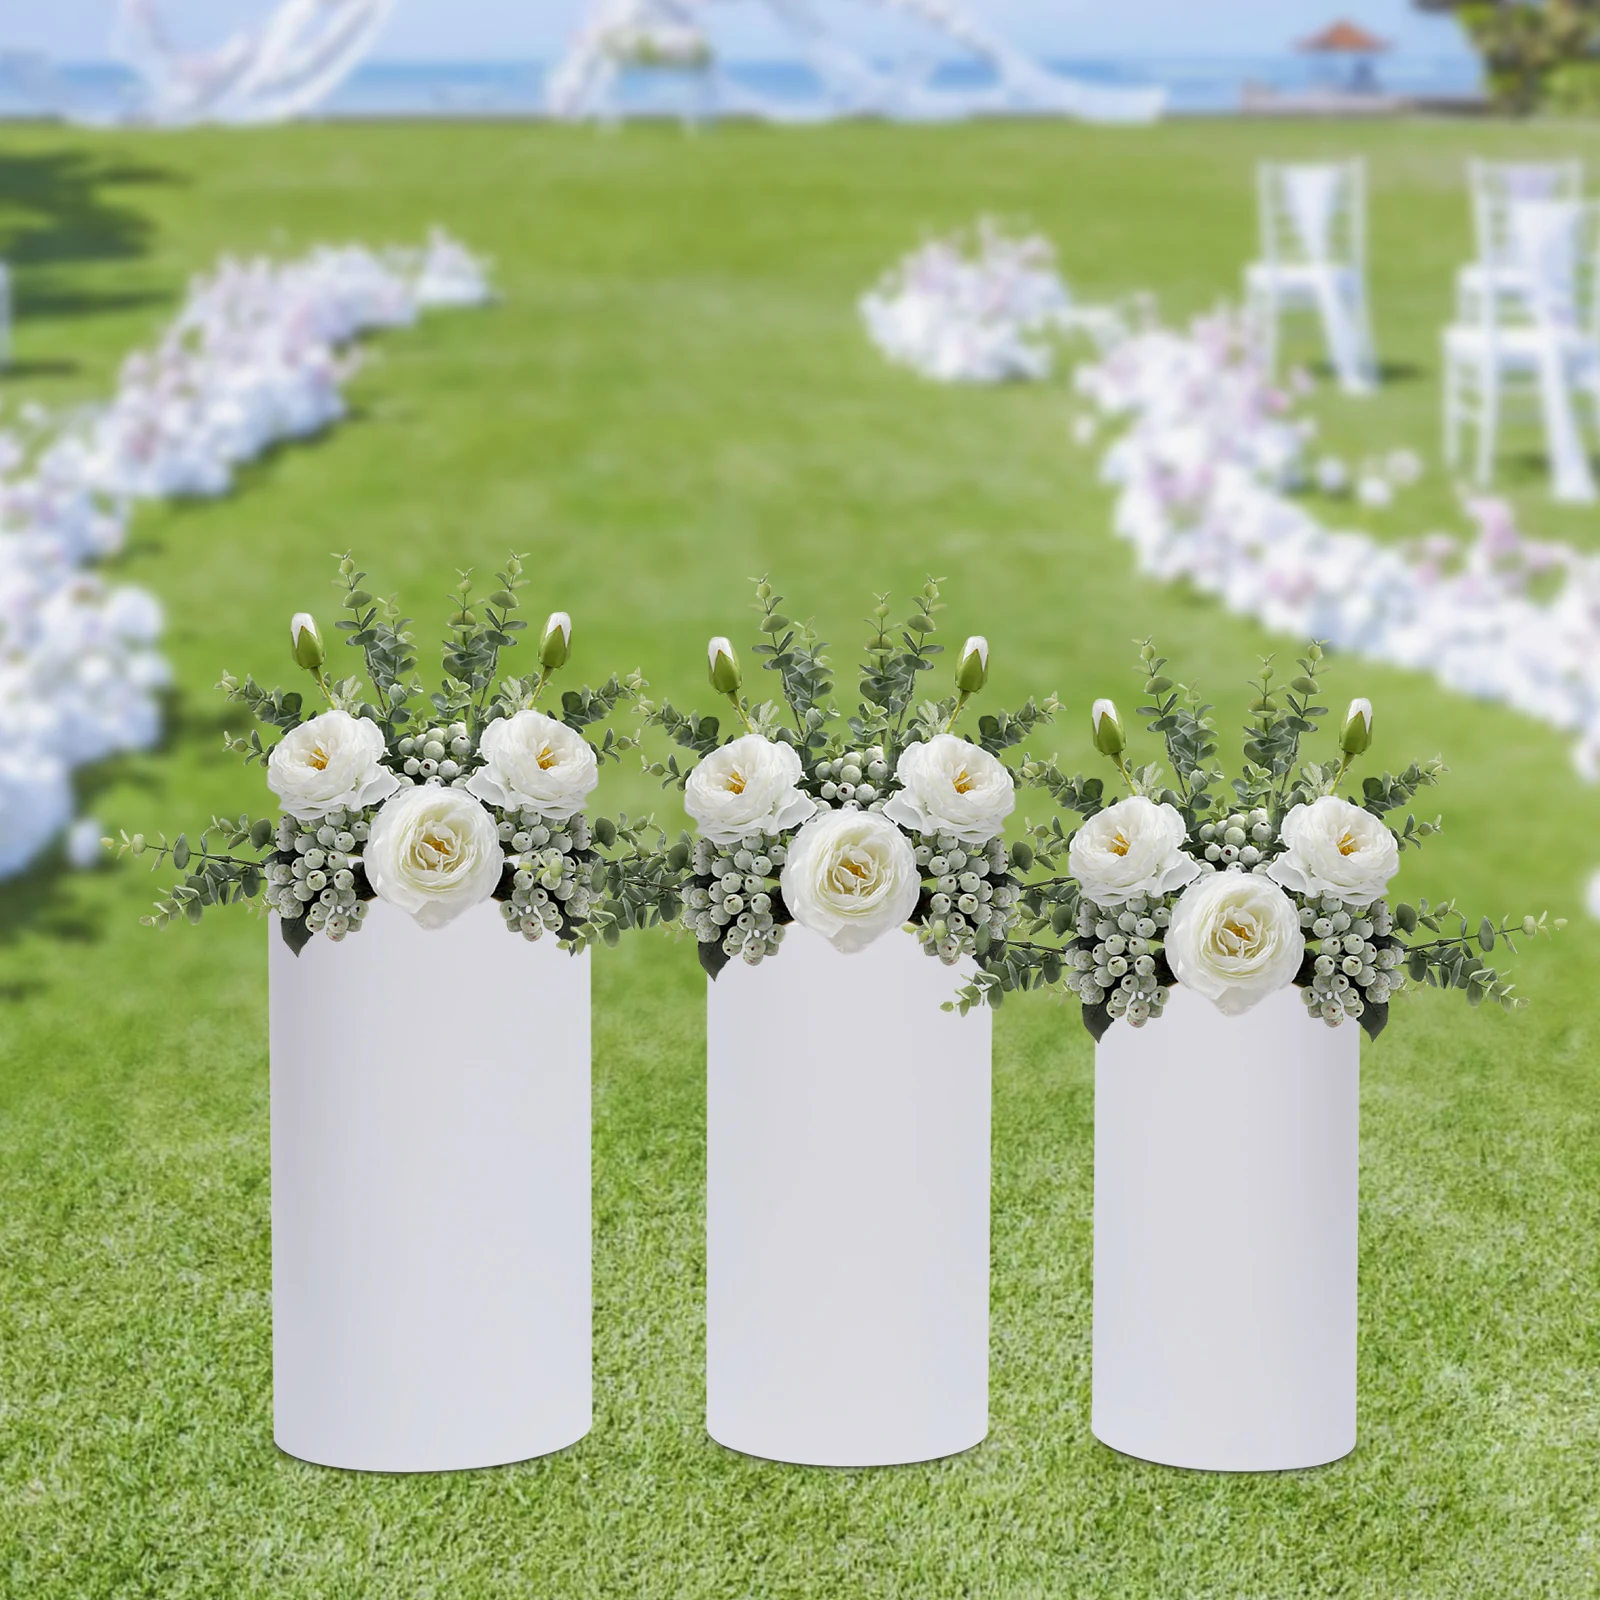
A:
(847, 1207)
(1225, 1161)
(430, 1195)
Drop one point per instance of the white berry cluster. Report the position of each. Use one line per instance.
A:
(316, 873)
(553, 884)
(1245, 840)
(1356, 962)
(966, 887)
(443, 754)
(1116, 959)
(731, 897)
(855, 780)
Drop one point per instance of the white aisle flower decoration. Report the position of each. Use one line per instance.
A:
(978, 308)
(851, 876)
(259, 352)
(1207, 455)
(1284, 882)
(433, 806)
(851, 828)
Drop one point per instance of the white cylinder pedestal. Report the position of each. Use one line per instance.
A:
(430, 1195)
(1225, 1162)
(847, 1207)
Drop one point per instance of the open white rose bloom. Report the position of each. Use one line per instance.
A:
(1235, 940)
(949, 785)
(333, 762)
(1134, 847)
(434, 853)
(748, 786)
(851, 876)
(533, 762)
(1336, 848)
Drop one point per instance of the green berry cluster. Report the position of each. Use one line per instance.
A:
(1117, 961)
(446, 753)
(1353, 959)
(853, 781)
(967, 890)
(1246, 839)
(315, 873)
(732, 902)
(554, 876)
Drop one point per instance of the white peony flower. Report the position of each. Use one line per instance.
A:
(748, 786)
(1336, 848)
(534, 761)
(1132, 847)
(434, 852)
(951, 786)
(328, 763)
(850, 876)
(1234, 938)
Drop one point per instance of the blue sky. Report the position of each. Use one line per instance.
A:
(520, 29)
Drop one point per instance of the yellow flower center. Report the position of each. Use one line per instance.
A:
(1119, 845)
(735, 782)
(547, 758)
(1238, 934)
(965, 782)
(318, 759)
(1348, 844)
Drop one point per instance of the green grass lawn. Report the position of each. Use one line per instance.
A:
(675, 396)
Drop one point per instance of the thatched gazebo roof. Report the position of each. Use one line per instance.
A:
(1343, 38)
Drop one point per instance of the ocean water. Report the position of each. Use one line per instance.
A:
(1195, 85)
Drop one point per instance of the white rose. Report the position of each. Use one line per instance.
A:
(533, 761)
(850, 876)
(329, 763)
(748, 786)
(1235, 938)
(951, 786)
(434, 852)
(1132, 847)
(1336, 848)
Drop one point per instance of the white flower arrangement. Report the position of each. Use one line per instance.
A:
(480, 796)
(1286, 884)
(856, 828)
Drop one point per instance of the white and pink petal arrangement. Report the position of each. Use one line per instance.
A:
(431, 804)
(851, 826)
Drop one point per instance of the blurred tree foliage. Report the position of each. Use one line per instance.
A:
(1537, 54)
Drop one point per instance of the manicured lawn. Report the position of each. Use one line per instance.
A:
(673, 397)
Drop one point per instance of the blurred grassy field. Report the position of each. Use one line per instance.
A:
(675, 396)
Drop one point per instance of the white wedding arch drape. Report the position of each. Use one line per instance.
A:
(285, 67)
(620, 33)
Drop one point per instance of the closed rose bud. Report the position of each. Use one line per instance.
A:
(724, 663)
(972, 671)
(1107, 728)
(555, 645)
(306, 641)
(1357, 733)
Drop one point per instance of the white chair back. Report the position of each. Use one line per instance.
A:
(1554, 245)
(1313, 213)
(1498, 185)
